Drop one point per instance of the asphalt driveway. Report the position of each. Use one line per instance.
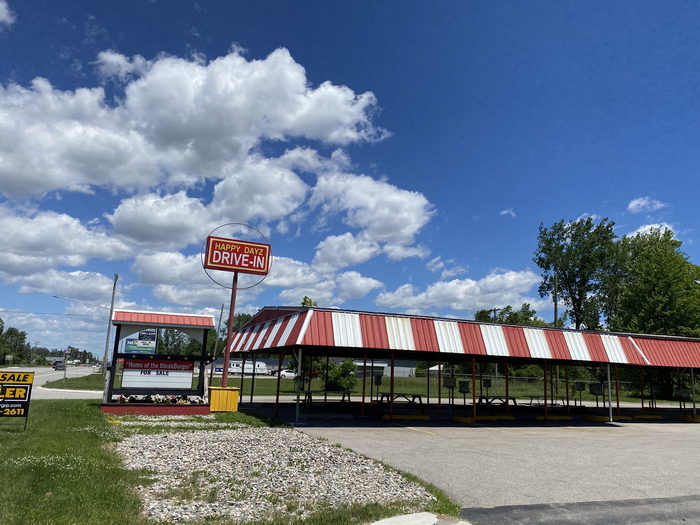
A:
(488, 467)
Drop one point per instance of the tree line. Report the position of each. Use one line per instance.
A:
(15, 348)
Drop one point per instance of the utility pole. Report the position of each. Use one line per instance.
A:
(105, 372)
(556, 313)
(556, 325)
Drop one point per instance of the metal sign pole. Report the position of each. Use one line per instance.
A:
(229, 334)
(216, 345)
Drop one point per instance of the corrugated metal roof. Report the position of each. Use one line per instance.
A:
(162, 319)
(318, 327)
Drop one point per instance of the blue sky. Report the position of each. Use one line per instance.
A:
(399, 156)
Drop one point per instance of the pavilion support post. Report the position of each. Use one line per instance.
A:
(617, 392)
(452, 390)
(566, 381)
(252, 386)
(507, 373)
(299, 382)
(240, 394)
(474, 390)
(553, 379)
(391, 390)
(692, 389)
(439, 387)
(371, 383)
(641, 385)
(279, 377)
(309, 373)
(481, 380)
(609, 395)
(546, 413)
(325, 384)
(427, 384)
(364, 385)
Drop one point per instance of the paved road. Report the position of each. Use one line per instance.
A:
(486, 469)
(44, 374)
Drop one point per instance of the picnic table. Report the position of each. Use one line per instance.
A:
(309, 395)
(539, 400)
(411, 398)
(489, 400)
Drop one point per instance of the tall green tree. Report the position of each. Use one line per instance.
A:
(525, 316)
(656, 290)
(308, 301)
(239, 320)
(578, 253)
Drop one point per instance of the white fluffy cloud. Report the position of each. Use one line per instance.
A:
(494, 290)
(646, 228)
(384, 212)
(339, 251)
(178, 121)
(185, 145)
(7, 18)
(161, 221)
(642, 204)
(447, 268)
(90, 286)
(63, 140)
(352, 285)
(261, 189)
(180, 279)
(113, 64)
(41, 240)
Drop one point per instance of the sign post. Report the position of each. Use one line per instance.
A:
(229, 332)
(231, 255)
(15, 393)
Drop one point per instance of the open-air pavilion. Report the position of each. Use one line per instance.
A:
(368, 336)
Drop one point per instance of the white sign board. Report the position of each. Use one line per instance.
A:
(143, 373)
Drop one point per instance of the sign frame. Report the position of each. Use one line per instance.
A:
(232, 255)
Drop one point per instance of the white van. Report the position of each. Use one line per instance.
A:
(234, 367)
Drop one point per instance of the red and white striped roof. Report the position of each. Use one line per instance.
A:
(347, 329)
(164, 319)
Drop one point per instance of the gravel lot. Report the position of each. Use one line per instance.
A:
(246, 473)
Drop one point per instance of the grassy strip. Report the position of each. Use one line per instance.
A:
(61, 469)
(411, 385)
(88, 382)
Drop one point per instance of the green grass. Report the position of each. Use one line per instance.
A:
(62, 469)
(267, 386)
(88, 382)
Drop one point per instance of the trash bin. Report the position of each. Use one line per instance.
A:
(223, 399)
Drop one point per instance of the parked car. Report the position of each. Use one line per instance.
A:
(59, 365)
(288, 374)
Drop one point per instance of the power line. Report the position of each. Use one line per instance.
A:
(48, 313)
